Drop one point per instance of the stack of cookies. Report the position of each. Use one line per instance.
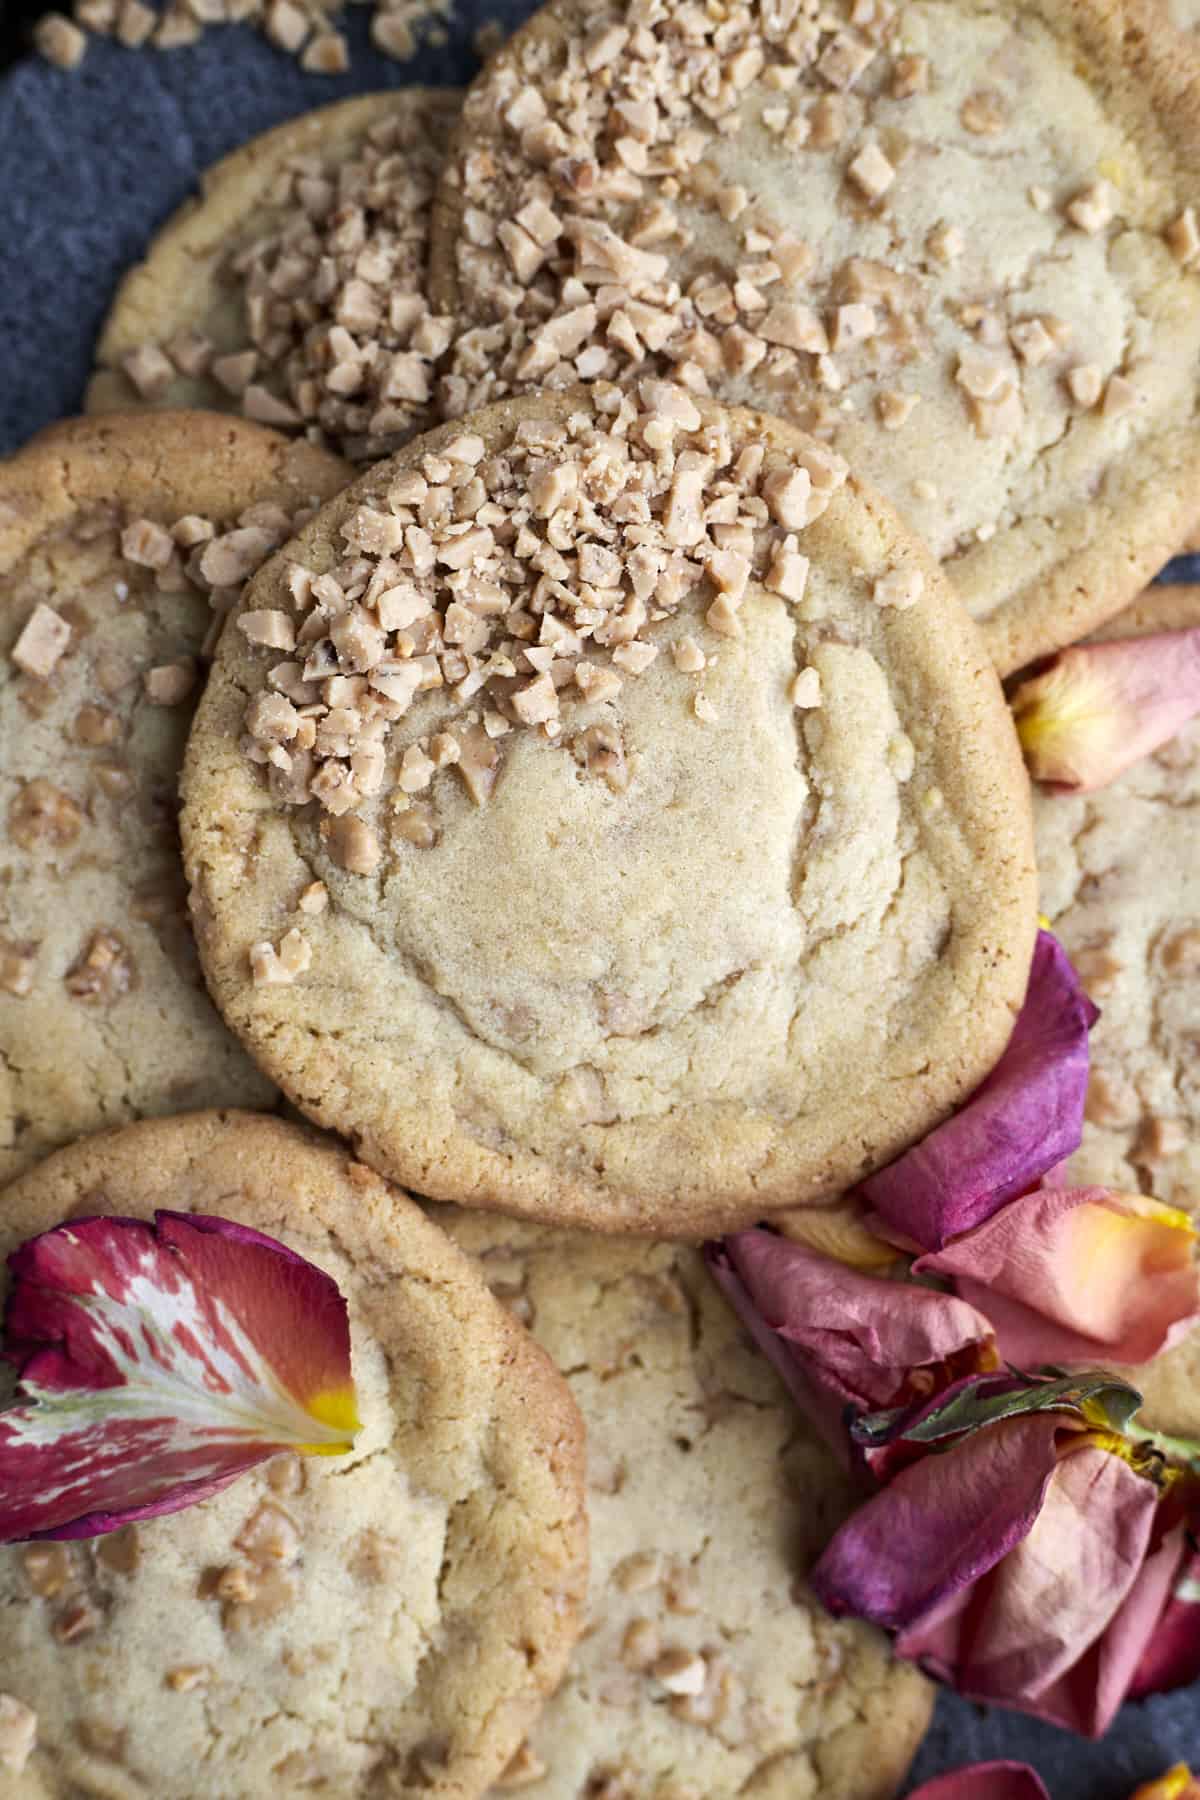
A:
(507, 775)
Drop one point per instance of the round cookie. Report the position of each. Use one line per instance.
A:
(1118, 871)
(436, 1592)
(708, 1500)
(713, 927)
(103, 1014)
(955, 240)
(293, 289)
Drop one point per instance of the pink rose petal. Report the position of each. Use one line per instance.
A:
(856, 1339)
(1069, 1275)
(158, 1363)
(985, 1781)
(1019, 1637)
(1171, 1657)
(1025, 1118)
(1099, 707)
(943, 1523)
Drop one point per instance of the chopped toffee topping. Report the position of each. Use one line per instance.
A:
(524, 581)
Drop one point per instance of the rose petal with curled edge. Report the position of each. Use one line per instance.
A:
(1025, 1118)
(840, 1338)
(985, 1781)
(1067, 1275)
(1100, 707)
(157, 1363)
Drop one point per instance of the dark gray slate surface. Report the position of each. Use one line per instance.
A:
(91, 163)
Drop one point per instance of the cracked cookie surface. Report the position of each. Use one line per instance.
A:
(293, 289)
(954, 239)
(673, 862)
(433, 1578)
(706, 1670)
(103, 1014)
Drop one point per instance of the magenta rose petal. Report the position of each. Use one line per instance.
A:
(1171, 1656)
(1099, 707)
(985, 1781)
(940, 1525)
(1066, 1275)
(1024, 1119)
(1039, 1613)
(159, 1362)
(860, 1334)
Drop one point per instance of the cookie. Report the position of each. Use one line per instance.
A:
(707, 1670)
(702, 904)
(103, 1014)
(441, 1567)
(293, 289)
(1118, 872)
(956, 241)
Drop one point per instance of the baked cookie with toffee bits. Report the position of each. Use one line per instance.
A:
(384, 1622)
(293, 290)
(122, 543)
(709, 1671)
(670, 832)
(1120, 883)
(957, 242)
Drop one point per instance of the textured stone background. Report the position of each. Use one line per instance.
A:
(91, 163)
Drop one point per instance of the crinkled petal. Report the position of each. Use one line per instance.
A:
(1068, 1274)
(158, 1363)
(1025, 1118)
(1023, 1637)
(860, 1337)
(985, 1781)
(1099, 707)
(1171, 1658)
(940, 1526)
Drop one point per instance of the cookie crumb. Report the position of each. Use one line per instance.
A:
(1084, 383)
(805, 689)
(871, 172)
(60, 41)
(18, 1733)
(170, 683)
(1093, 207)
(270, 967)
(314, 899)
(43, 640)
(899, 589)
(680, 1671)
(184, 1678)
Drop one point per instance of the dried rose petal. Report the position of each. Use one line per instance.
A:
(159, 1362)
(1067, 1275)
(1171, 1659)
(985, 1781)
(1025, 1118)
(1019, 1567)
(840, 1338)
(1099, 707)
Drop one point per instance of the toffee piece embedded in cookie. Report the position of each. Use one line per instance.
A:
(956, 241)
(293, 290)
(1120, 883)
(710, 1670)
(120, 542)
(387, 1621)
(666, 820)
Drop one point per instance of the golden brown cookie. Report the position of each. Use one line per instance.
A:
(438, 1571)
(707, 1670)
(1120, 882)
(670, 835)
(293, 289)
(957, 241)
(111, 543)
